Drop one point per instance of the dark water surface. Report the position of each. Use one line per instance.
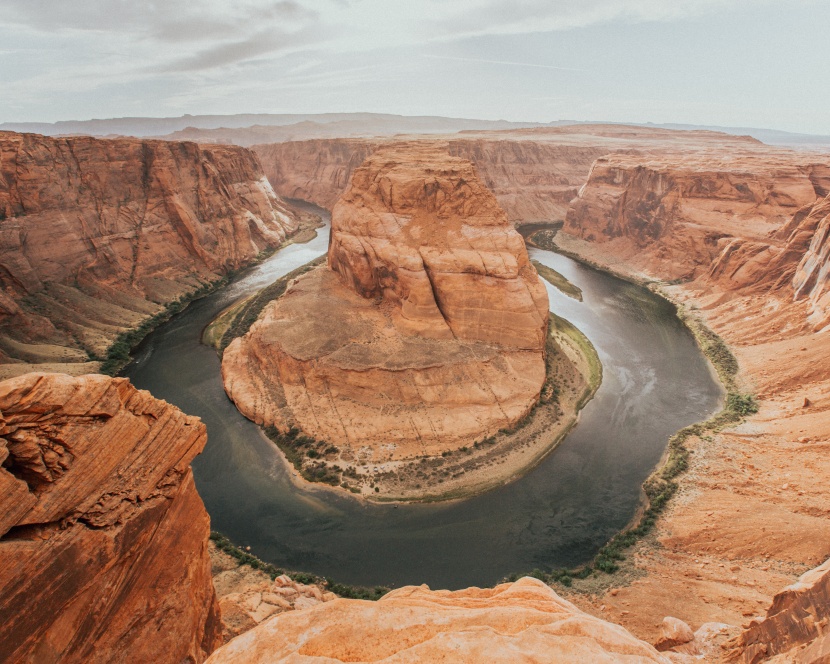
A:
(655, 382)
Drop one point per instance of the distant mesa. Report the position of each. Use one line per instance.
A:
(425, 331)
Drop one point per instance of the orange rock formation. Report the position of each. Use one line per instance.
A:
(534, 173)
(426, 332)
(103, 538)
(95, 235)
(523, 621)
(799, 615)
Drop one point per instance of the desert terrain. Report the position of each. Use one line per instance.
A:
(730, 229)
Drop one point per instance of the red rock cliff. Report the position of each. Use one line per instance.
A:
(103, 538)
(96, 234)
(674, 213)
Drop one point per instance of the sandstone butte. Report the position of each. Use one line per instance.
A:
(103, 537)
(97, 235)
(425, 331)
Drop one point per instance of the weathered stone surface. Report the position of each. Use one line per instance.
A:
(676, 212)
(523, 621)
(97, 234)
(420, 230)
(103, 553)
(427, 331)
(249, 596)
(799, 614)
(673, 633)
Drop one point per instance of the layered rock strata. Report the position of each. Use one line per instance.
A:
(103, 538)
(534, 173)
(95, 235)
(523, 621)
(751, 517)
(675, 213)
(799, 615)
(426, 330)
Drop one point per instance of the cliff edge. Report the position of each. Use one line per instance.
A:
(103, 537)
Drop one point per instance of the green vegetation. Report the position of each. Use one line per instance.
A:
(341, 589)
(586, 349)
(558, 281)
(544, 239)
(662, 484)
(242, 317)
(118, 354)
(297, 447)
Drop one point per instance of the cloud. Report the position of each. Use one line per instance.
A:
(261, 43)
(500, 62)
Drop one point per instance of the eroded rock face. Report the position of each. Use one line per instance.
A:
(799, 615)
(427, 331)
(425, 235)
(810, 281)
(524, 620)
(103, 537)
(677, 212)
(97, 234)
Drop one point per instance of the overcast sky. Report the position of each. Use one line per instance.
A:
(752, 63)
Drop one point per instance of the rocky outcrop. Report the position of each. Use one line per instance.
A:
(523, 621)
(810, 281)
(799, 615)
(426, 333)
(674, 214)
(248, 597)
(97, 234)
(103, 538)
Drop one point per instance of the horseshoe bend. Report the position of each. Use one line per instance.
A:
(424, 336)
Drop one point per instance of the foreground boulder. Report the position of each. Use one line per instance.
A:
(524, 621)
(103, 547)
(426, 330)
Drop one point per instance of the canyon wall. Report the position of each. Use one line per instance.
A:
(426, 330)
(103, 538)
(95, 235)
(534, 173)
(316, 170)
(673, 214)
(532, 180)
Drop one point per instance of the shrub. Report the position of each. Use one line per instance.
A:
(741, 404)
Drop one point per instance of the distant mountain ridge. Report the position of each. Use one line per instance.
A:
(146, 127)
(255, 128)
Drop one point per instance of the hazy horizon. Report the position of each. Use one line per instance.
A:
(726, 63)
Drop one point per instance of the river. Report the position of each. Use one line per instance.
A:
(655, 381)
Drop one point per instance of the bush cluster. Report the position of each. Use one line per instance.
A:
(341, 589)
(118, 354)
(298, 447)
